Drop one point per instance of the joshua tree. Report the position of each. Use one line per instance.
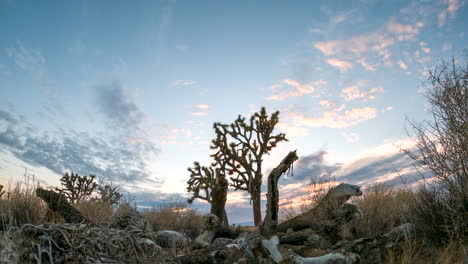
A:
(209, 184)
(109, 194)
(76, 187)
(240, 148)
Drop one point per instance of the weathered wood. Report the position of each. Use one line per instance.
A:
(268, 226)
(326, 208)
(58, 203)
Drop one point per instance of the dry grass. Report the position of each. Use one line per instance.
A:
(98, 212)
(416, 251)
(20, 206)
(383, 208)
(175, 217)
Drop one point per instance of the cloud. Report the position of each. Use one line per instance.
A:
(327, 103)
(402, 65)
(202, 106)
(298, 89)
(78, 152)
(198, 113)
(353, 92)
(27, 59)
(183, 83)
(351, 137)
(366, 65)
(336, 118)
(114, 102)
(378, 42)
(451, 10)
(342, 65)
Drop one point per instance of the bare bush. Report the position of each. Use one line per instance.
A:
(441, 146)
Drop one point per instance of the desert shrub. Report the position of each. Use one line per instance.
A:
(382, 207)
(441, 147)
(440, 216)
(21, 206)
(175, 216)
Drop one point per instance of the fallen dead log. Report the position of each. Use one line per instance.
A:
(59, 204)
(270, 221)
(326, 208)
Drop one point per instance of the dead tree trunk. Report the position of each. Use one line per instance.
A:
(58, 203)
(271, 218)
(325, 208)
(218, 199)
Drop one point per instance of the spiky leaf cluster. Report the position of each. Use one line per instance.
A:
(76, 187)
(240, 147)
(202, 181)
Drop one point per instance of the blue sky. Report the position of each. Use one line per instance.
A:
(130, 89)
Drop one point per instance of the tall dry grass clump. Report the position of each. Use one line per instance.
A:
(175, 216)
(19, 205)
(383, 207)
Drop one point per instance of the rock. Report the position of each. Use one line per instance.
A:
(174, 240)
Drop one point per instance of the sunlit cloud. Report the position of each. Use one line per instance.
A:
(378, 41)
(342, 65)
(402, 65)
(353, 92)
(297, 89)
(336, 118)
(451, 10)
(202, 106)
(199, 113)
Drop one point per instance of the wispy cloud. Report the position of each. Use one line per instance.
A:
(336, 118)
(342, 65)
(378, 41)
(198, 113)
(183, 83)
(297, 89)
(27, 58)
(353, 92)
(402, 65)
(202, 106)
(451, 10)
(351, 137)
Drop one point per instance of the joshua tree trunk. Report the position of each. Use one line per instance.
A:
(256, 205)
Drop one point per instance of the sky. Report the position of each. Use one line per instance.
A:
(129, 90)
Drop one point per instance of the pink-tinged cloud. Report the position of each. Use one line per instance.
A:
(327, 103)
(451, 10)
(426, 50)
(366, 65)
(353, 92)
(297, 89)
(386, 109)
(336, 118)
(378, 41)
(342, 65)
(202, 106)
(199, 113)
(402, 65)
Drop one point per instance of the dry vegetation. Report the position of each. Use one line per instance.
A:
(438, 209)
